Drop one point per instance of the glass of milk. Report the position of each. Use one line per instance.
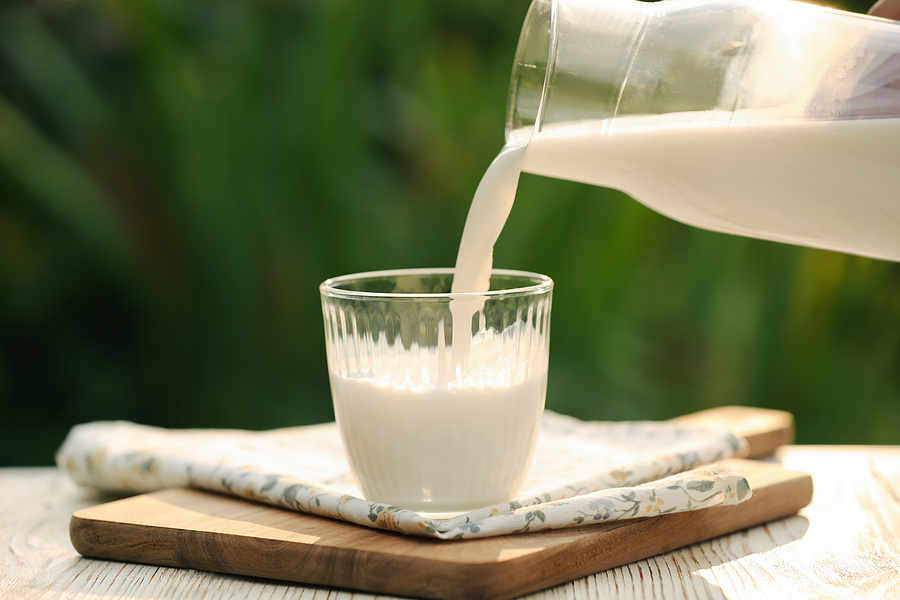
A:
(438, 395)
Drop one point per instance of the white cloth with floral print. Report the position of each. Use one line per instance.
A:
(583, 472)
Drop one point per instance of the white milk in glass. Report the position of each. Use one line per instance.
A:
(440, 448)
(419, 441)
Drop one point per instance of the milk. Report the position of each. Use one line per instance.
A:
(826, 184)
(488, 213)
(439, 448)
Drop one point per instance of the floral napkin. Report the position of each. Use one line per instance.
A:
(583, 473)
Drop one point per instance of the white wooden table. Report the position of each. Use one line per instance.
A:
(845, 544)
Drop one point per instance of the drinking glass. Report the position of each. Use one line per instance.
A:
(438, 396)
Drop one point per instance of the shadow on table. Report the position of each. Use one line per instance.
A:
(756, 540)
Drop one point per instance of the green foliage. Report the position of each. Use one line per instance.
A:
(176, 179)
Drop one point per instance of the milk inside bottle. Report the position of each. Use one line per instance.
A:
(770, 119)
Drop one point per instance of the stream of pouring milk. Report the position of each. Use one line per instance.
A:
(488, 212)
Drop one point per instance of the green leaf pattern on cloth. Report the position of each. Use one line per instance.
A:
(583, 473)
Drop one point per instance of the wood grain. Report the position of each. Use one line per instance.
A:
(766, 430)
(843, 545)
(193, 529)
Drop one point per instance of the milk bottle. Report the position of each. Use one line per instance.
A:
(763, 118)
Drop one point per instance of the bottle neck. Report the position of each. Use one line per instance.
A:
(572, 61)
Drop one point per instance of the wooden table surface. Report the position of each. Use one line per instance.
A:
(846, 543)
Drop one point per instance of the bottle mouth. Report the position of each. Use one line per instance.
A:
(573, 61)
(530, 70)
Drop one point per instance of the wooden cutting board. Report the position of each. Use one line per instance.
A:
(200, 530)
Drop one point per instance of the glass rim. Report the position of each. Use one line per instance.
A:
(541, 284)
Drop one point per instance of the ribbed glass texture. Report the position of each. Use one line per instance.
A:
(438, 396)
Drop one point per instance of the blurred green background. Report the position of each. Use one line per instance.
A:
(176, 179)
